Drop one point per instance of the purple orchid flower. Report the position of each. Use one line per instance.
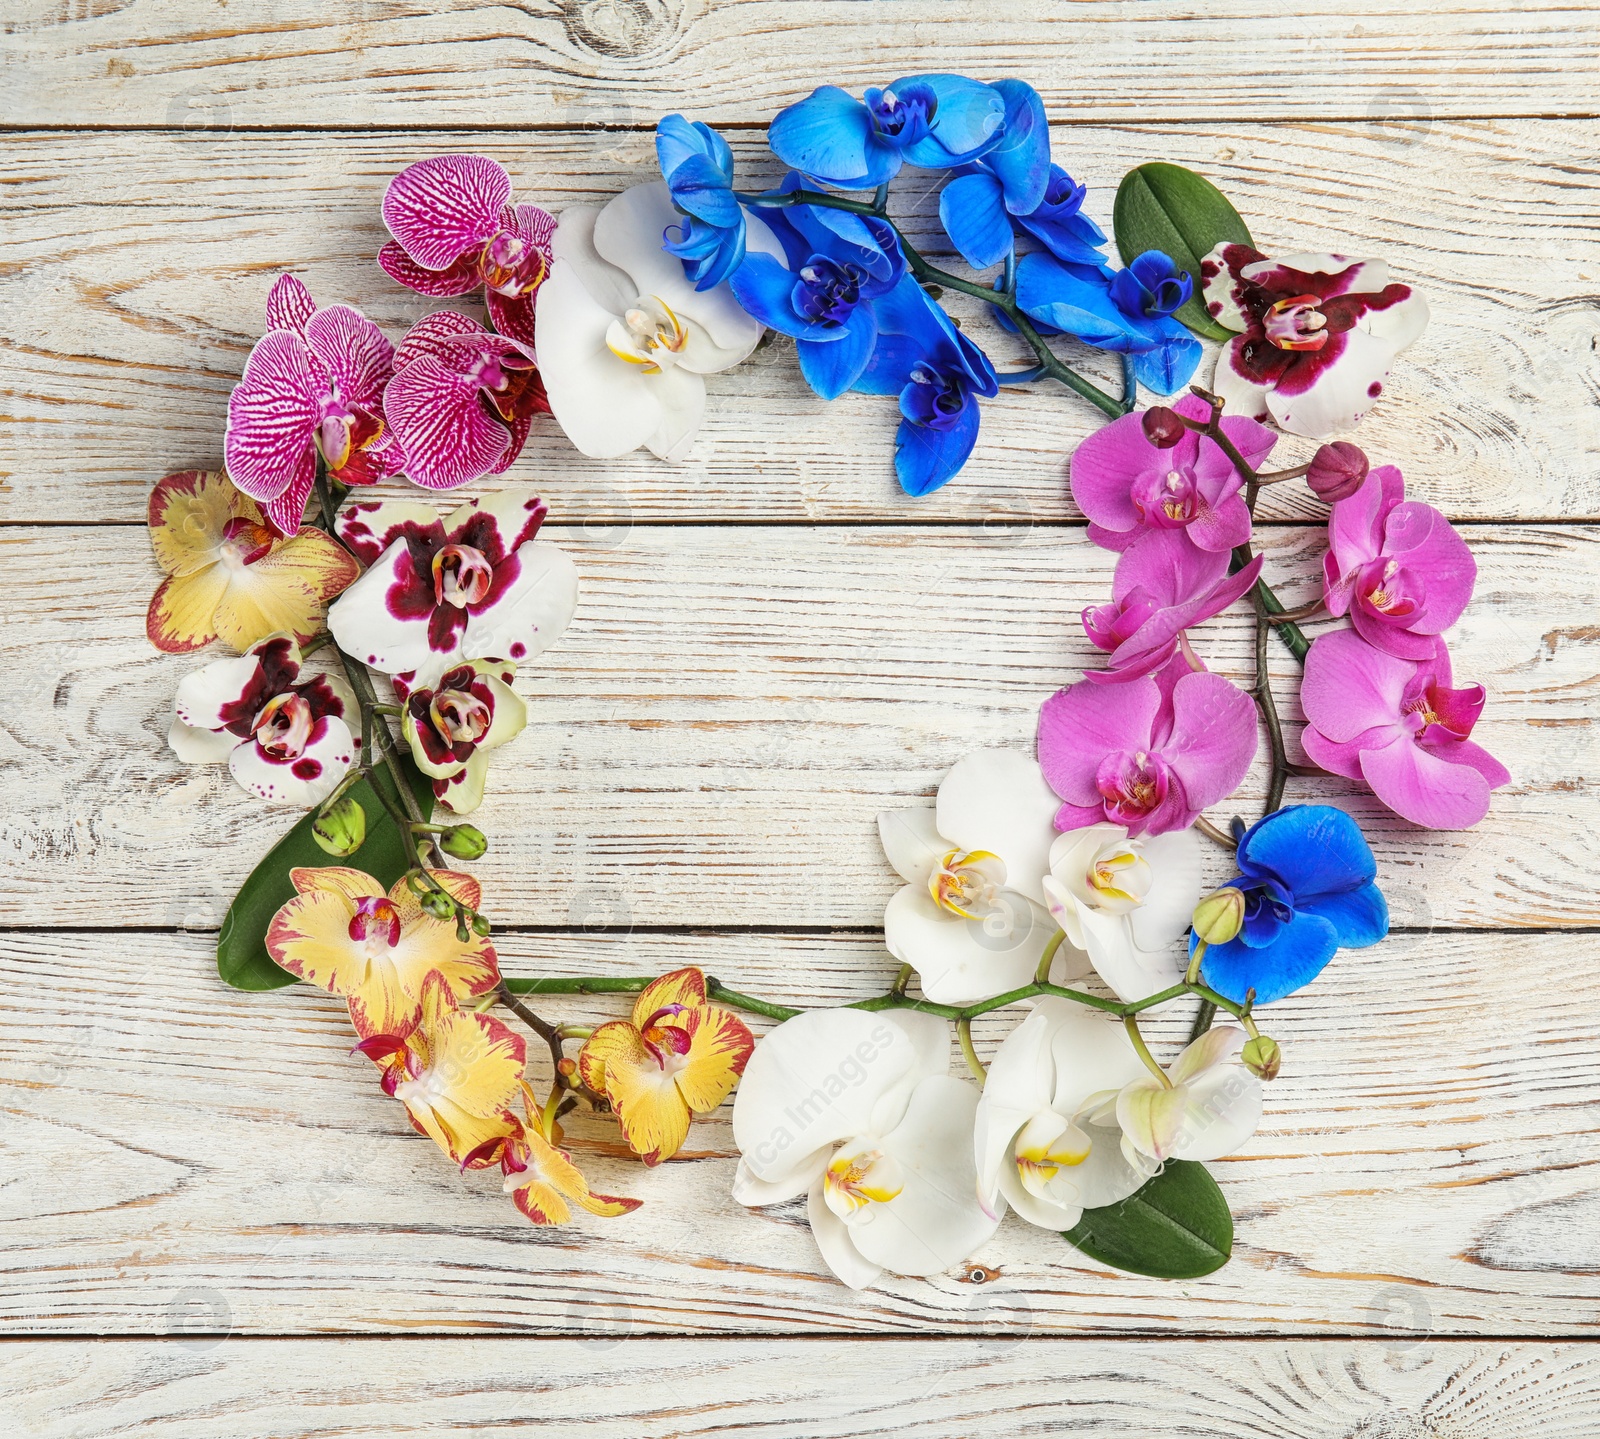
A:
(461, 400)
(1162, 587)
(1396, 567)
(1128, 487)
(1149, 755)
(454, 230)
(313, 385)
(1398, 725)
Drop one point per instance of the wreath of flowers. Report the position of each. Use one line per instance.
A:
(375, 644)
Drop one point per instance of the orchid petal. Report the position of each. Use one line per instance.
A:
(440, 420)
(997, 800)
(306, 780)
(912, 842)
(532, 612)
(289, 304)
(442, 206)
(847, 1264)
(272, 413)
(964, 961)
(1425, 788)
(369, 527)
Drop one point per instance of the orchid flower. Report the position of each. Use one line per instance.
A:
(1208, 1106)
(677, 1056)
(457, 1073)
(697, 165)
(1046, 1139)
(455, 229)
(1400, 727)
(970, 919)
(1396, 567)
(1125, 901)
(374, 947)
(1162, 587)
(452, 728)
(1148, 755)
(1009, 185)
(473, 585)
(282, 737)
(1308, 880)
(857, 1112)
(624, 338)
(1319, 333)
(461, 400)
(229, 573)
(313, 386)
(1126, 486)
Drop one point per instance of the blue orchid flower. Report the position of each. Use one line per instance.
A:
(837, 265)
(976, 207)
(1307, 875)
(934, 121)
(698, 168)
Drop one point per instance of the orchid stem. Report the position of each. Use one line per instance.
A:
(1211, 832)
(968, 1053)
(1042, 974)
(1142, 1049)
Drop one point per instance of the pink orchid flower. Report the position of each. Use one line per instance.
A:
(438, 592)
(1149, 755)
(1319, 335)
(461, 400)
(1163, 585)
(1398, 725)
(313, 385)
(1396, 567)
(1127, 487)
(454, 229)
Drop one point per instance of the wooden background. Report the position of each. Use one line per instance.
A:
(213, 1224)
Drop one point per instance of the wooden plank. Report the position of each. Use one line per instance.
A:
(134, 269)
(712, 739)
(784, 1389)
(183, 1158)
(598, 63)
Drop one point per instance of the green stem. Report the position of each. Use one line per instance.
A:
(1142, 1049)
(969, 1053)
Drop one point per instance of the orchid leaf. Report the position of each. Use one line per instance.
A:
(1182, 214)
(1177, 1226)
(242, 957)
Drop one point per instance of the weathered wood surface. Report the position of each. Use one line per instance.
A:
(180, 1157)
(609, 62)
(825, 1389)
(712, 739)
(134, 267)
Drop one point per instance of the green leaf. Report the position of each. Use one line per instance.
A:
(1165, 207)
(242, 957)
(1176, 1227)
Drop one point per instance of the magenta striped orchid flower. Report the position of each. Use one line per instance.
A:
(313, 385)
(455, 229)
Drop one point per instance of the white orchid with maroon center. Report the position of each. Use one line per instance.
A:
(452, 728)
(1319, 334)
(284, 736)
(438, 592)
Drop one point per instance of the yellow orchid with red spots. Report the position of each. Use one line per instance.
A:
(377, 948)
(678, 1055)
(229, 573)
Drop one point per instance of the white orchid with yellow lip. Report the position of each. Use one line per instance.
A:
(1204, 1105)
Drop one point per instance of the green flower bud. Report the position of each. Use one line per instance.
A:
(464, 841)
(463, 934)
(439, 905)
(1262, 1057)
(480, 925)
(1220, 915)
(341, 829)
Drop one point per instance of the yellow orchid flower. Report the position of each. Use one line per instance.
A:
(678, 1054)
(229, 573)
(376, 947)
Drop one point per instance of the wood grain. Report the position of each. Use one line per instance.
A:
(824, 1389)
(178, 1156)
(134, 267)
(607, 62)
(711, 741)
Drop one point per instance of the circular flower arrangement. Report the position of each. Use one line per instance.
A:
(376, 644)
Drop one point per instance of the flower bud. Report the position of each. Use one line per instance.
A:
(438, 904)
(1220, 915)
(464, 841)
(1163, 427)
(480, 925)
(1262, 1057)
(1337, 471)
(341, 829)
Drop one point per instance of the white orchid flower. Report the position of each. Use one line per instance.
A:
(623, 339)
(1209, 1105)
(1125, 902)
(971, 919)
(1046, 1138)
(858, 1112)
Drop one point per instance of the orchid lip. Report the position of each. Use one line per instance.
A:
(459, 716)
(462, 576)
(283, 726)
(1296, 323)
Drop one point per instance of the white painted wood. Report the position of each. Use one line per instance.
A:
(782, 1389)
(172, 1150)
(134, 268)
(607, 62)
(712, 739)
